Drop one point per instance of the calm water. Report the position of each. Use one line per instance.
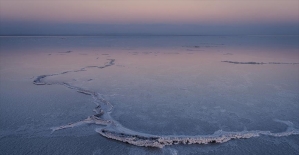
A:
(105, 95)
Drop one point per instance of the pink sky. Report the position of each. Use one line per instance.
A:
(151, 11)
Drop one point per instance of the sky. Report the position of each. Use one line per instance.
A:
(179, 17)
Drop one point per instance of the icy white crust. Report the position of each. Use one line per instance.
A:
(114, 130)
(219, 136)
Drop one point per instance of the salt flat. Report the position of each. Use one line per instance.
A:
(88, 95)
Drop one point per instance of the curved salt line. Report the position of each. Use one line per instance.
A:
(38, 80)
(114, 130)
(147, 140)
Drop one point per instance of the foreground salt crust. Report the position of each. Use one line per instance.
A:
(220, 136)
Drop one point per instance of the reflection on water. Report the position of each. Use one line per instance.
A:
(163, 90)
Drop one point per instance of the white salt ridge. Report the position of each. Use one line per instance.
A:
(141, 139)
(114, 130)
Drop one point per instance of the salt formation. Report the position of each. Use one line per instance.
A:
(114, 130)
(219, 136)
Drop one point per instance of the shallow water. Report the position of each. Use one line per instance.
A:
(150, 91)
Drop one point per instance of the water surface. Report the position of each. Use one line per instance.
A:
(58, 94)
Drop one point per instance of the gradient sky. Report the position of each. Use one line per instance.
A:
(54, 17)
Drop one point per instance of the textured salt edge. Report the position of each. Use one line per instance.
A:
(114, 130)
(141, 139)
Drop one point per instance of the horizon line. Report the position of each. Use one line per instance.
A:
(99, 35)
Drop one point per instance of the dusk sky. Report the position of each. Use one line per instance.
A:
(197, 17)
